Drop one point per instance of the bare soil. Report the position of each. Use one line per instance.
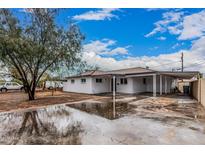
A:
(15, 100)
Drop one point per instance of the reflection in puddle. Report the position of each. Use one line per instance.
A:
(109, 110)
(45, 126)
(114, 106)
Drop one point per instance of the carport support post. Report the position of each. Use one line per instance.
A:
(154, 85)
(113, 85)
(165, 84)
(160, 89)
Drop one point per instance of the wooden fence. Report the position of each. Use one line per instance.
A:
(198, 90)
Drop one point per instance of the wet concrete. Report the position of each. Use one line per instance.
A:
(129, 120)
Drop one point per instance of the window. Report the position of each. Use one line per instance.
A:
(15, 84)
(98, 80)
(144, 80)
(83, 80)
(8, 84)
(72, 81)
(123, 81)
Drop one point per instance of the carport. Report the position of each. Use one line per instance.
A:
(160, 80)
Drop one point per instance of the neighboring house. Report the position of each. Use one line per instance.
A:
(131, 80)
(53, 84)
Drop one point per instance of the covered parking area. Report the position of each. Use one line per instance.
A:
(163, 82)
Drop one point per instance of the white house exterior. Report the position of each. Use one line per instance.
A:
(89, 87)
(130, 81)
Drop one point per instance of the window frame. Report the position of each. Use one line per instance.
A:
(83, 80)
(144, 81)
(98, 80)
(9, 84)
(72, 81)
(123, 81)
(15, 84)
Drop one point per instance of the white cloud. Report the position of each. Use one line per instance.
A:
(26, 10)
(168, 18)
(117, 51)
(155, 9)
(175, 29)
(176, 23)
(193, 26)
(162, 38)
(100, 14)
(162, 9)
(98, 46)
(105, 47)
(175, 46)
(195, 55)
(154, 48)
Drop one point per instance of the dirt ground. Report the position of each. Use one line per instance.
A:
(15, 100)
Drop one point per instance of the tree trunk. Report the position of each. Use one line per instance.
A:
(31, 93)
(31, 96)
(44, 85)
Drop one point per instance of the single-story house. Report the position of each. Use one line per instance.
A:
(131, 81)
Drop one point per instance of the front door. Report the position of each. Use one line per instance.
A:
(112, 85)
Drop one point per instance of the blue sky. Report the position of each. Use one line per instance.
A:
(129, 28)
(118, 38)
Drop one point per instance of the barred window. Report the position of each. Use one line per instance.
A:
(144, 81)
(123, 81)
(98, 80)
(83, 80)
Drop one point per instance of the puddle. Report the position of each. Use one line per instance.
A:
(44, 126)
(107, 110)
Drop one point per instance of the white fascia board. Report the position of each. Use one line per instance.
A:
(139, 75)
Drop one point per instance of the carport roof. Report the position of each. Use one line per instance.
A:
(136, 71)
(181, 75)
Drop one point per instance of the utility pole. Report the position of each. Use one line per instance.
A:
(182, 61)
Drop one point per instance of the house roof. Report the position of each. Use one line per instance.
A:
(128, 71)
(89, 73)
(135, 71)
(92, 73)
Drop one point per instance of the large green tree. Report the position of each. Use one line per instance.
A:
(40, 45)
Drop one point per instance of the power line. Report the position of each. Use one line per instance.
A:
(199, 62)
(182, 63)
(166, 64)
(196, 64)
